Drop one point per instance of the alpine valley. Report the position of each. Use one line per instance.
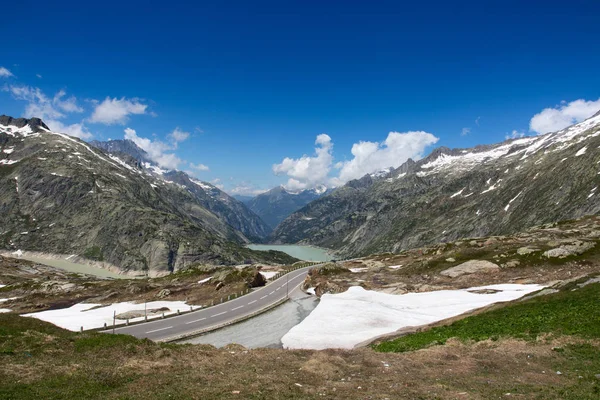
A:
(106, 202)
(457, 193)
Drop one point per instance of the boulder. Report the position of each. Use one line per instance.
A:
(163, 293)
(257, 280)
(575, 248)
(523, 251)
(470, 267)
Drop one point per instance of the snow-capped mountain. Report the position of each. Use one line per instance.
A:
(61, 195)
(278, 203)
(230, 210)
(452, 194)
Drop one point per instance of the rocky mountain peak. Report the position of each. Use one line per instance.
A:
(34, 123)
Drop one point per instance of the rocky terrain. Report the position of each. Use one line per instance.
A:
(60, 195)
(543, 347)
(278, 203)
(32, 287)
(228, 209)
(544, 255)
(487, 190)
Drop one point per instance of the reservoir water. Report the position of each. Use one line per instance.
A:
(306, 253)
(66, 265)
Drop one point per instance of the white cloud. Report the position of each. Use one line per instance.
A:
(563, 115)
(307, 172)
(514, 135)
(199, 167)
(178, 135)
(158, 151)
(371, 157)
(245, 190)
(38, 104)
(477, 120)
(5, 73)
(465, 131)
(77, 130)
(117, 111)
(39, 76)
(68, 105)
(51, 110)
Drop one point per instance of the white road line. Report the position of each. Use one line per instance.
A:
(196, 320)
(237, 308)
(278, 288)
(253, 301)
(216, 315)
(264, 296)
(271, 292)
(161, 329)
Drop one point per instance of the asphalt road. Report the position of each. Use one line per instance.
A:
(171, 327)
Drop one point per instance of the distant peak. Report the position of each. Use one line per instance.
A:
(34, 123)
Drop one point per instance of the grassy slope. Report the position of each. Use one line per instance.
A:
(563, 313)
(39, 360)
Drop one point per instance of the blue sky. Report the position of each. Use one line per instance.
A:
(256, 82)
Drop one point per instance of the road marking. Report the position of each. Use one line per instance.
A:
(278, 288)
(161, 329)
(216, 315)
(237, 308)
(253, 301)
(196, 320)
(264, 296)
(271, 292)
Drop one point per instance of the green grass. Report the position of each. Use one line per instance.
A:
(564, 313)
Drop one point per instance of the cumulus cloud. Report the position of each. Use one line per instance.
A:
(514, 135)
(556, 118)
(117, 111)
(160, 152)
(5, 73)
(307, 172)
(199, 167)
(78, 130)
(41, 106)
(465, 131)
(245, 190)
(371, 157)
(51, 110)
(68, 105)
(178, 135)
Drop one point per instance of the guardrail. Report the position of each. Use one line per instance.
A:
(192, 309)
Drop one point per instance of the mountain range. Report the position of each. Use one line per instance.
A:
(457, 193)
(59, 194)
(278, 203)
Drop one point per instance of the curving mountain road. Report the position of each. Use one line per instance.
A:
(219, 315)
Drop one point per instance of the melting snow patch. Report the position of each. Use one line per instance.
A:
(203, 185)
(8, 162)
(511, 200)
(358, 270)
(9, 150)
(268, 274)
(395, 266)
(92, 316)
(357, 315)
(457, 193)
(592, 192)
(581, 152)
(200, 282)
(154, 168)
